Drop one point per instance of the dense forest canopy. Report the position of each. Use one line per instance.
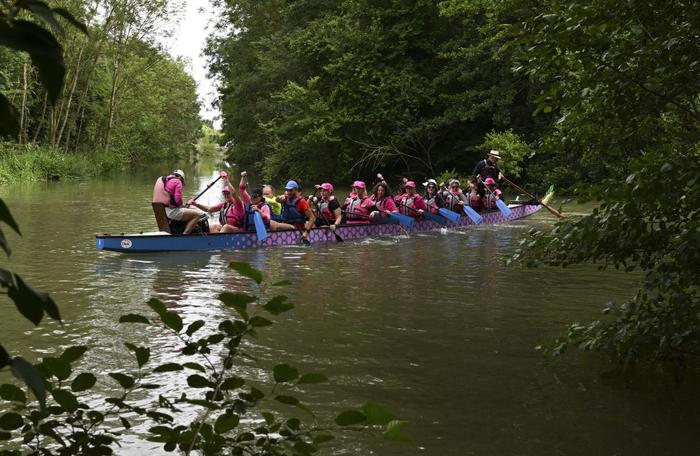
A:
(123, 95)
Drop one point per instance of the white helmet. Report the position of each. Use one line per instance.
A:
(179, 172)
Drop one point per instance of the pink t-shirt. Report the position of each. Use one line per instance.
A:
(236, 212)
(386, 204)
(174, 187)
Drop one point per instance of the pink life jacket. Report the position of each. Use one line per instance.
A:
(355, 209)
(324, 212)
(160, 195)
(407, 206)
(452, 201)
(489, 200)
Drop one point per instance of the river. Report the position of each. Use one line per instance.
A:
(434, 327)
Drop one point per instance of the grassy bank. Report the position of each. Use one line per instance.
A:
(36, 163)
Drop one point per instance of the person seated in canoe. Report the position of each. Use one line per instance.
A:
(491, 194)
(168, 191)
(296, 212)
(271, 199)
(382, 200)
(474, 195)
(454, 198)
(358, 204)
(231, 209)
(259, 205)
(328, 211)
(433, 198)
(411, 203)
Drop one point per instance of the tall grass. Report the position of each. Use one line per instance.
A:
(34, 163)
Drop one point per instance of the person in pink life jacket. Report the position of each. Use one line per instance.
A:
(358, 205)
(491, 194)
(411, 203)
(168, 191)
(474, 195)
(433, 198)
(382, 199)
(232, 209)
(454, 198)
(328, 211)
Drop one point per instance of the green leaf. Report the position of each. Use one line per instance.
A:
(12, 393)
(289, 400)
(168, 367)
(65, 14)
(194, 327)
(9, 127)
(125, 423)
(5, 435)
(72, 354)
(4, 273)
(157, 305)
(58, 367)
(269, 417)
(5, 358)
(11, 421)
(126, 381)
(282, 283)
(232, 383)
(133, 318)
(142, 353)
(5, 214)
(194, 366)
(65, 399)
(247, 270)
(172, 321)
(26, 372)
(349, 418)
(312, 378)
(394, 431)
(259, 322)
(323, 438)
(278, 305)
(197, 381)
(376, 414)
(237, 301)
(225, 423)
(83, 382)
(284, 373)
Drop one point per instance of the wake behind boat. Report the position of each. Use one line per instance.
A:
(165, 242)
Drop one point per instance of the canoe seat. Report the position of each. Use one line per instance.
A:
(161, 217)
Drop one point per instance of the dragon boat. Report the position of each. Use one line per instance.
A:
(162, 241)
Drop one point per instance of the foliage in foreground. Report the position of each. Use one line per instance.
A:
(624, 80)
(213, 411)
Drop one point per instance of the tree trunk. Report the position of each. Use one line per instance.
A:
(41, 120)
(52, 127)
(112, 105)
(70, 96)
(22, 126)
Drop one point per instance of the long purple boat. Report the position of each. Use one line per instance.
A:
(164, 242)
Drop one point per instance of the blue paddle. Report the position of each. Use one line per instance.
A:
(503, 207)
(472, 214)
(404, 220)
(259, 226)
(448, 214)
(435, 218)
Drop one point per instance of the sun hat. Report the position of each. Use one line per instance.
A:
(179, 172)
(410, 184)
(454, 181)
(489, 181)
(430, 181)
(358, 184)
(327, 186)
(291, 185)
(495, 154)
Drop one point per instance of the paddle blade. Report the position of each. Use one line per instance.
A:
(388, 220)
(503, 207)
(435, 218)
(473, 215)
(259, 226)
(448, 214)
(403, 219)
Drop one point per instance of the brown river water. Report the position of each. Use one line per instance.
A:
(434, 327)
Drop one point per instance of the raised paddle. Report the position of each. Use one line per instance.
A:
(503, 207)
(208, 187)
(546, 206)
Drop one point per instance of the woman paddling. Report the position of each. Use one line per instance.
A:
(433, 199)
(411, 203)
(231, 210)
(382, 199)
(491, 194)
(358, 204)
(454, 198)
(327, 207)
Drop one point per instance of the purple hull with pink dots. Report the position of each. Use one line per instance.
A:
(163, 242)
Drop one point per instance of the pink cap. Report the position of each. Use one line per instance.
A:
(410, 184)
(225, 190)
(327, 186)
(358, 184)
(489, 181)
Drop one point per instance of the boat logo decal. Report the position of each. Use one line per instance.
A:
(126, 243)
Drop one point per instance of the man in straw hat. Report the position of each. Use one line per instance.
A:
(489, 167)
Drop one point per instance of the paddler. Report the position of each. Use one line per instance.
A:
(410, 203)
(454, 198)
(168, 191)
(258, 204)
(271, 199)
(433, 198)
(382, 199)
(358, 205)
(296, 212)
(328, 212)
(491, 194)
(231, 209)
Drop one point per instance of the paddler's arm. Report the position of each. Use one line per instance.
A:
(309, 223)
(204, 207)
(244, 180)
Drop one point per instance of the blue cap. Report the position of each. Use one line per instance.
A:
(291, 185)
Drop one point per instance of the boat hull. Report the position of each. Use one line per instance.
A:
(155, 242)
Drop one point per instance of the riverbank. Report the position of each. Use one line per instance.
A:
(39, 163)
